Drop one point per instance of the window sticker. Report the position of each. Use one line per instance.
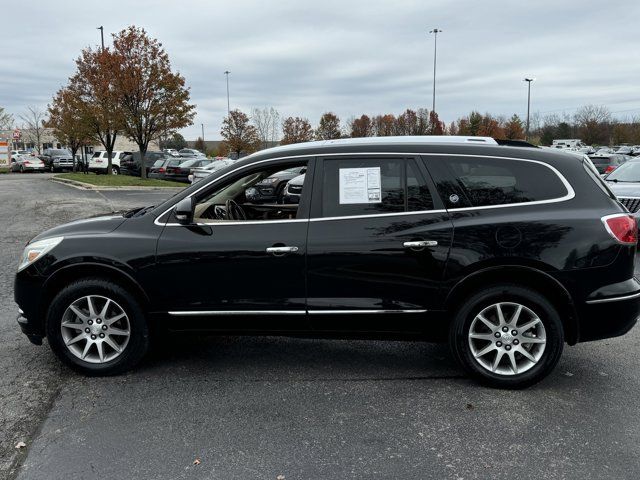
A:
(360, 185)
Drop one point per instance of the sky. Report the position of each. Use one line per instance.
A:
(349, 57)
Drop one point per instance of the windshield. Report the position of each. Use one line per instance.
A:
(58, 152)
(158, 163)
(188, 163)
(628, 172)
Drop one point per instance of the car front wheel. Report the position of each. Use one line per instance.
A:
(507, 336)
(97, 328)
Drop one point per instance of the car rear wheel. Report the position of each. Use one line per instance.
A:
(97, 328)
(115, 171)
(507, 336)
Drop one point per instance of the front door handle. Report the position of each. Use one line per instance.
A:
(281, 250)
(420, 244)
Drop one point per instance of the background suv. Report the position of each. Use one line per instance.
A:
(57, 160)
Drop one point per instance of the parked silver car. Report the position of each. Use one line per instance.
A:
(27, 163)
(203, 172)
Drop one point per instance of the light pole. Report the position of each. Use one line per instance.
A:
(528, 80)
(203, 146)
(227, 72)
(435, 32)
(101, 28)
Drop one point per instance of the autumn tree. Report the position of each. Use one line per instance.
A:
(267, 123)
(436, 127)
(200, 145)
(93, 87)
(33, 120)
(513, 128)
(67, 122)
(153, 98)
(384, 125)
(407, 123)
(593, 122)
(360, 127)
(329, 127)
(6, 120)
(238, 134)
(296, 130)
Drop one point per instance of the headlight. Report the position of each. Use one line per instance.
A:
(268, 181)
(35, 250)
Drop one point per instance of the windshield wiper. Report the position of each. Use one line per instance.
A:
(143, 210)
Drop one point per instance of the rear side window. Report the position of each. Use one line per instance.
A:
(373, 186)
(495, 181)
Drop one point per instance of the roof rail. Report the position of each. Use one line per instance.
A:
(416, 139)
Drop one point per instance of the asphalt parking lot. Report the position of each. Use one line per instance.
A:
(260, 408)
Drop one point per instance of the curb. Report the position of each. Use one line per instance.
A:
(88, 186)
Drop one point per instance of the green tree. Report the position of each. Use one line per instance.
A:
(175, 141)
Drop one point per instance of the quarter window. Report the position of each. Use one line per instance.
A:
(494, 181)
(373, 186)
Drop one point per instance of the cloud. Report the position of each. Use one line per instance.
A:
(350, 57)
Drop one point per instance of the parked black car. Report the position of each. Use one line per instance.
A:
(271, 189)
(130, 165)
(608, 163)
(181, 172)
(57, 159)
(159, 169)
(506, 252)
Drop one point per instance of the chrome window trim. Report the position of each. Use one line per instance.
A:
(614, 299)
(570, 192)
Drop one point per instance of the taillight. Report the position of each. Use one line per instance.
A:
(609, 169)
(622, 227)
(161, 170)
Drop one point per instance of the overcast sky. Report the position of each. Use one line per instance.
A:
(349, 57)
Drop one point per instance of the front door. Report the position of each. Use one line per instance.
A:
(239, 265)
(378, 243)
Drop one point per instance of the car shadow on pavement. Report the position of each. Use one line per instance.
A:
(291, 358)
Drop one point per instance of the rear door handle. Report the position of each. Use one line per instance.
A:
(281, 250)
(420, 244)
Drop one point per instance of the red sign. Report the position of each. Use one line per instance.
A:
(17, 134)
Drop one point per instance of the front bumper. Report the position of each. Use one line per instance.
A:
(34, 337)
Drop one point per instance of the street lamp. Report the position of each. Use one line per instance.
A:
(101, 28)
(202, 125)
(227, 72)
(435, 32)
(528, 80)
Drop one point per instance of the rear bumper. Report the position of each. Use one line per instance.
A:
(609, 317)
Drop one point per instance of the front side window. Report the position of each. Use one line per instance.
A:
(495, 181)
(255, 196)
(359, 186)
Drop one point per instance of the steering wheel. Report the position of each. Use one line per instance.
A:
(234, 211)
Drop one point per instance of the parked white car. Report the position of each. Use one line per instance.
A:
(99, 161)
(203, 172)
(27, 163)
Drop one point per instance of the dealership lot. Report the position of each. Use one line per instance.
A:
(263, 407)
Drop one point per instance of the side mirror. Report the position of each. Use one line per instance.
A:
(184, 211)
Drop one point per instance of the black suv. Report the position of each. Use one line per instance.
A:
(57, 160)
(506, 252)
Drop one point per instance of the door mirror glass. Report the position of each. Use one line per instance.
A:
(184, 211)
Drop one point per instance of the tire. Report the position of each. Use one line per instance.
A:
(100, 360)
(52, 169)
(115, 171)
(470, 336)
(21, 168)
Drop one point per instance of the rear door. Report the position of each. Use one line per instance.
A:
(378, 243)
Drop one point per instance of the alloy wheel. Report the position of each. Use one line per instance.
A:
(95, 329)
(507, 338)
